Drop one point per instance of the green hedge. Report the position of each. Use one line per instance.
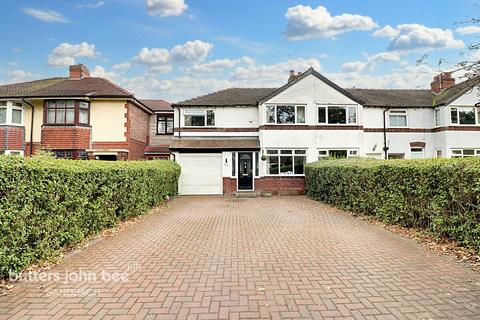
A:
(47, 204)
(439, 195)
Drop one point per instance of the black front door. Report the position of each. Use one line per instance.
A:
(245, 172)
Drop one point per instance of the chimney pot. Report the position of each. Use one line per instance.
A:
(79, 71)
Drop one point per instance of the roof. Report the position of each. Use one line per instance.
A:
(420, 98)
(216, 144)
(65, 87)
(393, 97)
(453, 93)
(157, 105)
(230, 97)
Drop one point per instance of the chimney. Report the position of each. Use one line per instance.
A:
(292, 75)
(79, 71)
(441, 82)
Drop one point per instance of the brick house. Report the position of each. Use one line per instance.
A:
(77, 117)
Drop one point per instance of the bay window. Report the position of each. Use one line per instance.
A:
(337, 114)
(164, 124)
(285, 114)
(463, 115)
(67, 112)
(286, 162)
(199, 118)
(465, 153)
(11, 113)
(397, 118)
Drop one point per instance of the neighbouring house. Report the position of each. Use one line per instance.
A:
(160, 129)
(79, 117)
(259, 139)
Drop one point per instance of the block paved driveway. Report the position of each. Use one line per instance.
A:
(279, 257)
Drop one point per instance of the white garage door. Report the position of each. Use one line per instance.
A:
(201, 173)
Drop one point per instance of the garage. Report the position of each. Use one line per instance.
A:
(201, 173)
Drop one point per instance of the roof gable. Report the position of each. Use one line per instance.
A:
(319, 76)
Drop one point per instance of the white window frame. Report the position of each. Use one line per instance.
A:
(459, 152)
(438, 153)
(437, 121)
(286, 105)
(351, 152)
(417, 152)
(9, 152)
(347, 108)
(477, 120)
(10, 106)
(398, 112)
(279, 154)
(199, 112)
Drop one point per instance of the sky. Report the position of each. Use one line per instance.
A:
(179, 49)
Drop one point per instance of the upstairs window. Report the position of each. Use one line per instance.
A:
(164, 124)
(3, 112)
(462, 115)
(438, 119)
(285, 114)
(397, 118)
(67, 112)
(337, 114)
(199, 118)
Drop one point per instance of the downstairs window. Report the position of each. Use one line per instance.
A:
(286, 162)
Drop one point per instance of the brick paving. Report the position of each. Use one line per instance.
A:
(227, 258)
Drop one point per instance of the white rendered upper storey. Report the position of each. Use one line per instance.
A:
(313, 114)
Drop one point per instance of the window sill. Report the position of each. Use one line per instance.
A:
(66, 125)
(12, 124)
(164, 134)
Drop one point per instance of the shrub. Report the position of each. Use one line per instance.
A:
(47, 204)
(440, 195)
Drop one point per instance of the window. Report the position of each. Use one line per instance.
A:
(63, 112)
(71, 154)
(462, 115)
(465, 153)
(439, 153)
(164, 124)
(438, 120)
(337, 153)
(337, 115)
(286, 162)
(17, 116)
(3, 115)
(199, 118)
(397, 118)
(285, 114)
(416, 153)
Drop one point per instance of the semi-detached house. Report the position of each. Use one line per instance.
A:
(82, 117)
(259, 139)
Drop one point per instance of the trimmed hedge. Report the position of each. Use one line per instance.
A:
(439, 195)
(48, 204)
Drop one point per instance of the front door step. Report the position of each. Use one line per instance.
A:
(245, 194)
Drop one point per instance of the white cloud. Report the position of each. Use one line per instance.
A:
(100, 72)
(93, 5)
(191, 51)
(66, 53)
(165, 8)
(244, 44)
(152, 57)
(122, 66)
(468, 30)
(20, 75)
(161, 60)
(304, 22)
(354, 66)
(46, 16)
(410, 37)
(386, 32)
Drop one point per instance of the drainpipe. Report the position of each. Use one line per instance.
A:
(385, 147)
(31, 125)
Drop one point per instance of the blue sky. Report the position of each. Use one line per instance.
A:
(176, 49)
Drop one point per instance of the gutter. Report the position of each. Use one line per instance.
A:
(385, 148)
(31, 125)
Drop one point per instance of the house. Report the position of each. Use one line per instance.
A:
(79, 117)
(259, 139)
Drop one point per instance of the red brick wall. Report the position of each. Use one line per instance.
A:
(275, 185)
(36, 147)
(58, 137)
(12, 138)
(137, 124)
